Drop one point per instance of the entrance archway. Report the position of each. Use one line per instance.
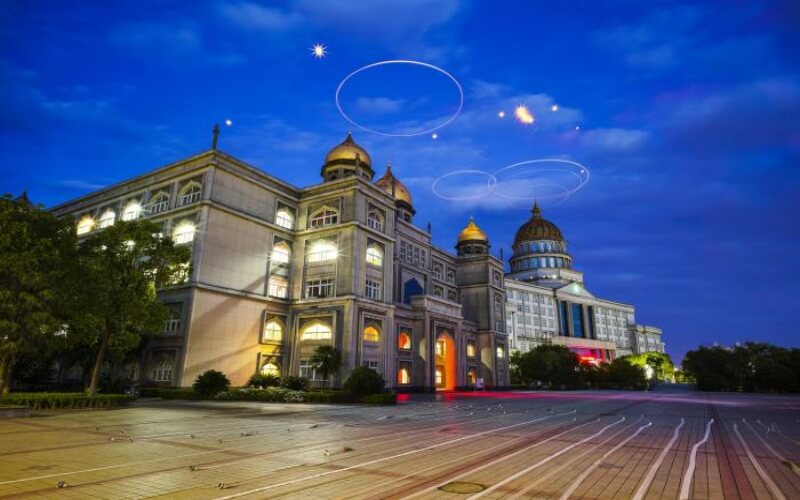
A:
(445, 366)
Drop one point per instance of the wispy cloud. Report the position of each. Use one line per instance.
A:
(379, 105)
(80, 185)
(261, 17)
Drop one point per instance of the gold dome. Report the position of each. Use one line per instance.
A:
(537, 228)
(394, 187)
(472, 233)
(347, 152)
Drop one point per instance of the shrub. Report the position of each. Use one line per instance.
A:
(295, 383)
(261, 380)
(380, 399)
(337, 397)
(49, 400)
(169, 393)
(270, 394)
(210, 383)
(363, 381)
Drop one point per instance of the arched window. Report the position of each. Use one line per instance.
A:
(159, 203)
(403, 377)
(191, 193)
(273, 330)
(322, 250)
(472, 376)
(133, 210)
(317, 331)
(270, 368)
(280, 253)
(325, 216)
(470, 350)
(163, 371)
(107, 219)
(183, 233)
(375, 255)
(85, 225)
(500, 353)
(451, 276)
(404, 341)
(374, 220)
(371, 334)
(437, 271)
(278, 287)
(284, 218)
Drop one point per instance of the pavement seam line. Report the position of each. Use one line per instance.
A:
(651, 474)
(686, 483)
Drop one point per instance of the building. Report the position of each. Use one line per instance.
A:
(548, 303)
(278, 270)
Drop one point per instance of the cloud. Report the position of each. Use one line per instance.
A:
(613, 139)
(254, 16)
(80, 185)
(378, 105)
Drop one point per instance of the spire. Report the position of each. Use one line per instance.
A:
(215, 137)
(349, 137)
(537, 212)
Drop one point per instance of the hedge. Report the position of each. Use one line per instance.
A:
(164, 393)
(50, 400)
(282, 395)
(380, 399)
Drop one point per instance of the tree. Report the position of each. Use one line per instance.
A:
(210, 383)
(660, 362)
(549, 364)
(36, 250)
(364, 381)
(122, 266)
(327, 359)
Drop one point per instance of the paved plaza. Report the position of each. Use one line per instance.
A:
(528, 445)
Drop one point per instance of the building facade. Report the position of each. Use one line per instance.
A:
(548, 303)
(278, 270)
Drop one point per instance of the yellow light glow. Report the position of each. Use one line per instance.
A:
(319, 50)
(322, 251)
(184, 232)
(132, 211)
(85, 225)
(523, 115)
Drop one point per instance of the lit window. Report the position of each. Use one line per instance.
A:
(373, 290)
(470, 350)
(85, 225)
(273, 331)
(500, 353)
(371, 364)
(375, 221)
(317, 331)
(308, 370)
(374, 255)
(163, 371)
(403, 377)
(278, 287)
(107, 219)
(284, 218)
(439, 376)
(191, 194)
(321, 251)
(280, 253)
(133, 210)
(319, 288)
(404, 341)
(472, 377)
(159, 203)
(324, 217)
(270, 369)
(173, 322)
(371, 334)
(441, 345)
(184, 233)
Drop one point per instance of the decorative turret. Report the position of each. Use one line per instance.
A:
(472, 240)
(540, 251)
(402, 197)
(347, 159)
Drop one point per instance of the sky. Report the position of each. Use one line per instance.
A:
(684, 113)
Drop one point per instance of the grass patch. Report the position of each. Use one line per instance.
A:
(64, 400)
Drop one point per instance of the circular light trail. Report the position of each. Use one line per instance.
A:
(400, 61)
(568, 167)
(490, 179)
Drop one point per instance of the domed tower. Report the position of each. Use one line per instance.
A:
(347, 159)
(398, 190)
(540, 252)
(472, 240)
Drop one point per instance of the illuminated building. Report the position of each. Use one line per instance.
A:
(548, 303)
(278, 270)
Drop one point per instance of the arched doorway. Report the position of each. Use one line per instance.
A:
(445, 366)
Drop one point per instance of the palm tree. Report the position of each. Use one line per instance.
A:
(327, 359)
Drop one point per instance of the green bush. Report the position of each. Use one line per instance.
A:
(211, 383)
(261, 380)
(380, 399)
(328, 397)
(363, 381)
(295, 383)
(49, 400)
(169, 393)
(270, 394)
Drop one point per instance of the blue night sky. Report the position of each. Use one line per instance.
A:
(687, 113)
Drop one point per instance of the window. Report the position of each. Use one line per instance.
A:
(319, 287)
(324, 217)
(501, 353)
(273, 331)
(173, 322)
(163, 371)
(321, 251)
(472, 376)
(470, 350)
(439, 376)
(441, 346)
(159, 203)
(375, 221)
(371, 364)
(307, 370)
(371, 334)
(107, 219)
(316, 331)
(451, 276)
(437, 271)
(373, 290)
(270, 368)
(403, 377)
(85, 225)
(278, 287)
(438, 291)
(280, 253)
(404, 341)
(191, 194)
(452, 296)
(133, 210)
(184, 233)
(284, 218)
(374, 255)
